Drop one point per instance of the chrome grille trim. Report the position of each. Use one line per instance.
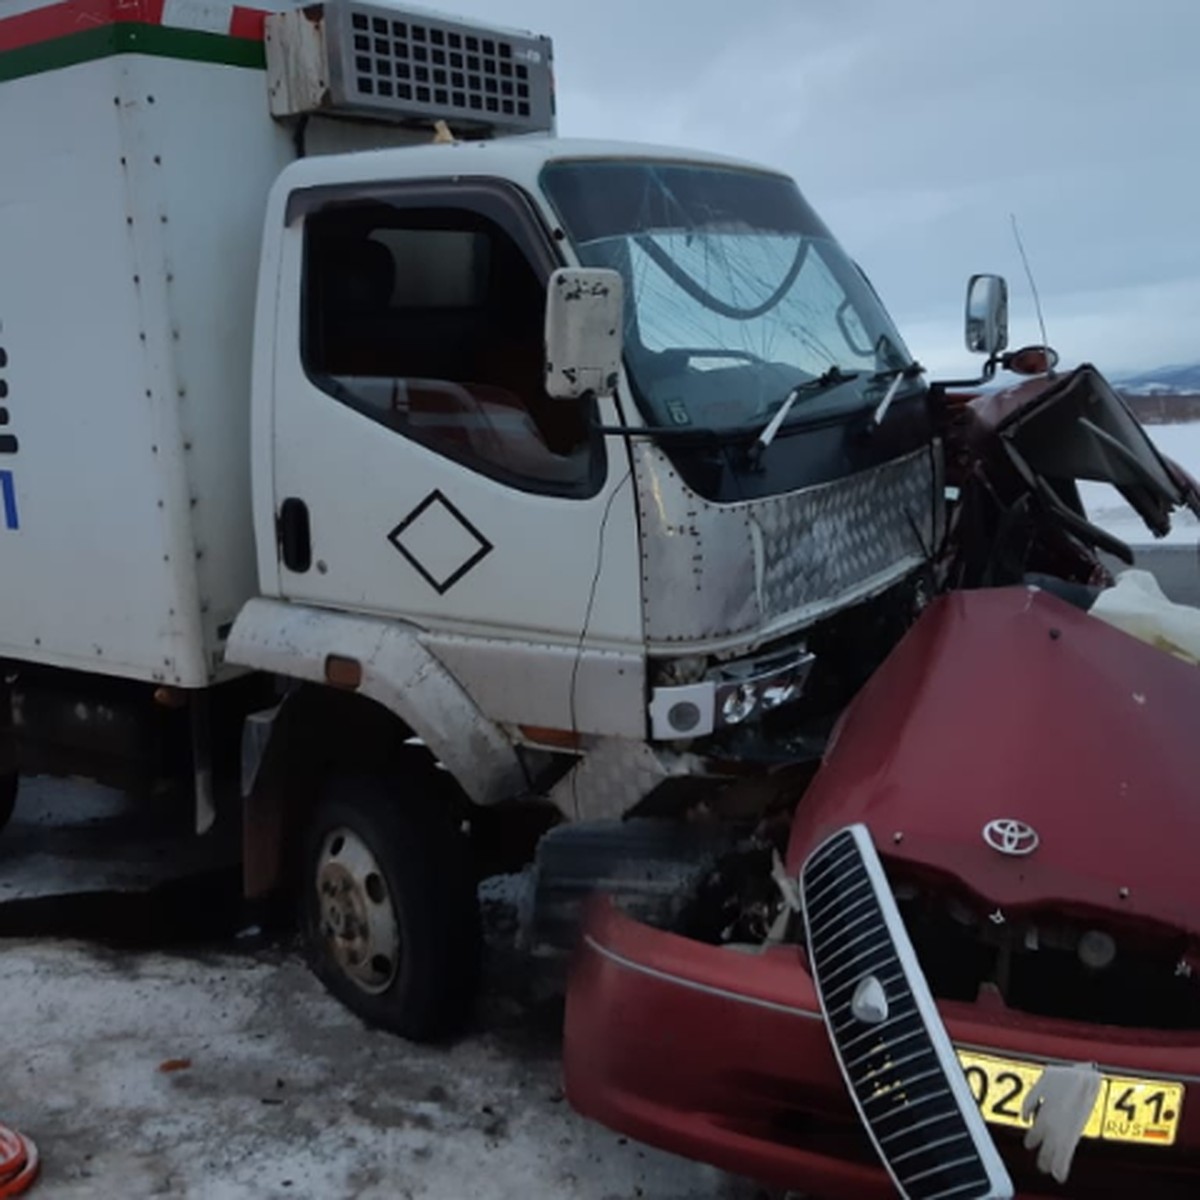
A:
(955, 1156)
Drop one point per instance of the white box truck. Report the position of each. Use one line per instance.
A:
(375, 458)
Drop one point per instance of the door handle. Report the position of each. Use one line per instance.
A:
(293, 535)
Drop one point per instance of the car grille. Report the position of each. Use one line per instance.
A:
(893, 1050)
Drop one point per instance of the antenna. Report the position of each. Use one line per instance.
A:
(1037, 301)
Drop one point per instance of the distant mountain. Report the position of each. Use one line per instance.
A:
(1163, 381)
(1164, 396)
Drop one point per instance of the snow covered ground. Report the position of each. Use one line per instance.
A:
(277, 1091)
(286, 1095)
(1107, 508)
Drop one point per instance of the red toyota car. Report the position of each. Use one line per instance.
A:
(1026, 778)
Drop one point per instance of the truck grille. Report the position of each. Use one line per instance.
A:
(889, 1041)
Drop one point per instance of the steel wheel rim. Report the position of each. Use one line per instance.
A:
(355, 913)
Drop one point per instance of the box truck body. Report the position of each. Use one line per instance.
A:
(139, 151)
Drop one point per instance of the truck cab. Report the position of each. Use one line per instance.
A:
(625, 593)
(639, 570)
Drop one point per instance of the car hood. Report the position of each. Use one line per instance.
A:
(1011, 704)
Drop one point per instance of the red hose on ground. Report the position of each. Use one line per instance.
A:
(18, 1163)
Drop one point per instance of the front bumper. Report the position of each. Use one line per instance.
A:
(723, 1056)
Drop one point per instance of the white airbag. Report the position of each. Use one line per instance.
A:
(1137, 605)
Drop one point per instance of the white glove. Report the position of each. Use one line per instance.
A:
(1060, 1104)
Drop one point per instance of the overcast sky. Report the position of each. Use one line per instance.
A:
(916, 127)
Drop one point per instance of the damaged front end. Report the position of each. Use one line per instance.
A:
(1014, 461)
(1025, 774)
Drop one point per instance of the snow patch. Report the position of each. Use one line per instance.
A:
(1107, 508)
(288, 1097)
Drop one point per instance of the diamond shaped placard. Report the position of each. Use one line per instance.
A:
(439, 542)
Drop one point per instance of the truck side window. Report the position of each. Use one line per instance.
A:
(430, 322)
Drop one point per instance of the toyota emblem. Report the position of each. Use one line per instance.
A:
(1011, 837)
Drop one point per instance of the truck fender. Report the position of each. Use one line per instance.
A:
(386, 662)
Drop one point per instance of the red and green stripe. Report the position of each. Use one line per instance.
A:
(77, 31)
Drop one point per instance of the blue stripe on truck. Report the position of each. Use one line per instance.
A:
(8, 499)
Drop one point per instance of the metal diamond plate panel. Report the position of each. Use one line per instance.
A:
(716, 570)
(827, 540)
(615, 775)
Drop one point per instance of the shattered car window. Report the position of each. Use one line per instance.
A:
(736, 291)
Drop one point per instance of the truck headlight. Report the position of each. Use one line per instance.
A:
(737, 703)
(776, 695)
(731, 695)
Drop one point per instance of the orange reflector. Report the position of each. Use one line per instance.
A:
(170, 697)
(343, 672)
(563, 739)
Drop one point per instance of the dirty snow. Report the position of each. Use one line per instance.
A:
(287, 1095)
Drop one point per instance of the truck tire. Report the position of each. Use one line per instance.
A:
(389, 909)
(8, 796)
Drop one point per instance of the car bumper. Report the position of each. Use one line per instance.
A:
(723, 1056)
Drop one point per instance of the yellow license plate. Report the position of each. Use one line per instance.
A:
(1127, 1110)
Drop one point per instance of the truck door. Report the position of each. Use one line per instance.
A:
(420, 470)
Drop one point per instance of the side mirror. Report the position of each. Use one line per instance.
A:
(585, 311)
(987, 314)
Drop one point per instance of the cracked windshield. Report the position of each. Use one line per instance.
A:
(736, 293)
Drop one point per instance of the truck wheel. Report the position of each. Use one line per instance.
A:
(8, 796)
(390, 914)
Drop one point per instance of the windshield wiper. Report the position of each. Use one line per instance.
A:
(898, 376)
(834, 377)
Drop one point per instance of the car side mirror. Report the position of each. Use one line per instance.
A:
(987, 314)
(585, 311)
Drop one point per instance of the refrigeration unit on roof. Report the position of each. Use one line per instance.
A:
(408, 66)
